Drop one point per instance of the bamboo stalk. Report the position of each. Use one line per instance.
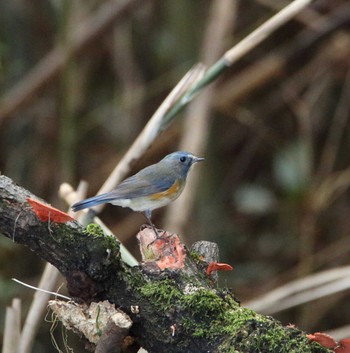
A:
(12, 327)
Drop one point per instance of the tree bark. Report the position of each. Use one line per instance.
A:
(173, 310)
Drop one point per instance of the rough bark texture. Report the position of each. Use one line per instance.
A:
(178, 310)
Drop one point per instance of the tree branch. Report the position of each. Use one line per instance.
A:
(177, 308)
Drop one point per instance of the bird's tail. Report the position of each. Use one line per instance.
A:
(91, 202)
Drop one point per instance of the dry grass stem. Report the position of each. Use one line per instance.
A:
(266, 29)
(12, 327)
(308, 17)
(302, 291)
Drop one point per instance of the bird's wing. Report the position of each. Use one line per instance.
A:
(142, 184)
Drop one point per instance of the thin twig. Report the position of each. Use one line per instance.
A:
(41, 290)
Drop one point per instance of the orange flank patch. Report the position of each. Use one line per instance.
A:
(171, 192)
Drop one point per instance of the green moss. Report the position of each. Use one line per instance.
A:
(247, 330)
(94, 230)
(236, 318)
(263, 334)
(108, 241)
(164, 293)
(134, 277)
(64, 236)
(196, 257)
(232, 350)
(203, 305)
(204, 302)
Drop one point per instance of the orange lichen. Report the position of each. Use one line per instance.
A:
(323, 339)
(343, 347)
(217, 266)
(47, 213)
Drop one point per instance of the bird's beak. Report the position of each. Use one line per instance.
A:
(197, 159)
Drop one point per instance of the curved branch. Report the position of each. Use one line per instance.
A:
(180, 307)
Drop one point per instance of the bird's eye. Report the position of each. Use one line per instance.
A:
(183, 159)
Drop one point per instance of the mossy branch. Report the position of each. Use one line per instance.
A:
(180, 309)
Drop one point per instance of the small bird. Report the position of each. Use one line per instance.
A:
(152, 187)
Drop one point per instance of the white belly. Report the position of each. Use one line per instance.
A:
(142, 203)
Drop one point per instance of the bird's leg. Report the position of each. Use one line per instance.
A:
(148, 214)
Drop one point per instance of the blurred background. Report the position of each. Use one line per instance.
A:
(273, 192)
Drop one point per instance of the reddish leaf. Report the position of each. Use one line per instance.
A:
(216, 266)
(323, 339)
(344, 346)
(47, 213)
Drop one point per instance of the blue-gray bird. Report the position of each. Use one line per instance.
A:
(152, 187)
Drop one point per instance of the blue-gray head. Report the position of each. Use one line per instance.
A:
(180, 162)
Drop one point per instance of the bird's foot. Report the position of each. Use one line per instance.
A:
(159, 233)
